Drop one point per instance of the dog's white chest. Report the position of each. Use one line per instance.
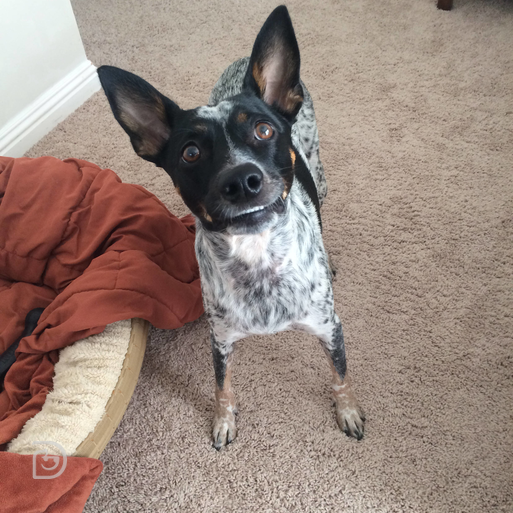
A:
(252, 249)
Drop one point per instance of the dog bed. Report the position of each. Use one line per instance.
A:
(93, 382)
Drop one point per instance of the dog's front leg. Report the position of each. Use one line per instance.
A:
(350, 417)
(223, 430)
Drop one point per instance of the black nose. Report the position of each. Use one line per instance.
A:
(241, 183)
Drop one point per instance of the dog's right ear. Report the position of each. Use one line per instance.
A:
(144, 113)
(273, 70)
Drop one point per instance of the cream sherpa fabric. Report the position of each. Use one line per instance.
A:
(85, 377)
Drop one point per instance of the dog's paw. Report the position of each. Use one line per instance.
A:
(351, 420)
(224, 430)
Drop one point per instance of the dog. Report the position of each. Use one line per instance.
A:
(247, 166)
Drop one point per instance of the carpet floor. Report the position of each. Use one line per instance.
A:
(415, 114)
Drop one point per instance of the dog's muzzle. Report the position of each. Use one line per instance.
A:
(245, 198)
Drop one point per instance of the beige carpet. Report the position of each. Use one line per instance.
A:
(415, 112)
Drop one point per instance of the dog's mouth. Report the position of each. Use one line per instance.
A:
(256, 213)
(253, 219)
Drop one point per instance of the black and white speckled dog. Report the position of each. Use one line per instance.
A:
(247, 165)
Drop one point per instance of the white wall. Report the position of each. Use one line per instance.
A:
(44, 72)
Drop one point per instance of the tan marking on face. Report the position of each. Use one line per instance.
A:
(292, 156)
(286, 190)
(204, 214)
(177, 189)
(242, 117)
(201, 128)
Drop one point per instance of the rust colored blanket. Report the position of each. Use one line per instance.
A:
(91, 251)
(65, 493)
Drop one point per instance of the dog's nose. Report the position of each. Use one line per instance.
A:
(242, 183)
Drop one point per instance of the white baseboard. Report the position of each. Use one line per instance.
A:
(44, 114)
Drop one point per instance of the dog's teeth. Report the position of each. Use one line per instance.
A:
(256, 209)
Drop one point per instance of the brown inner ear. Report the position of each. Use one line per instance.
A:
(147, 120)
(259, 79)
(277, 90)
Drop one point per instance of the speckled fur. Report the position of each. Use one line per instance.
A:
(275, 280)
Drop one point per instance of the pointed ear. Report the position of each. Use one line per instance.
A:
(144, 113)
(273, 71)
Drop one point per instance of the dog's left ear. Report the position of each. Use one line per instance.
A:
(273, 71)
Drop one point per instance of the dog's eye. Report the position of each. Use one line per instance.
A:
(263, 131)
(191, 154)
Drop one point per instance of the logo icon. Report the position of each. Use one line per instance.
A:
(45, 467)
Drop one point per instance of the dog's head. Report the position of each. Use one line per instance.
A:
(232, 163)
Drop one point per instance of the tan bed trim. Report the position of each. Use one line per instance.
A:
(96, 441)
